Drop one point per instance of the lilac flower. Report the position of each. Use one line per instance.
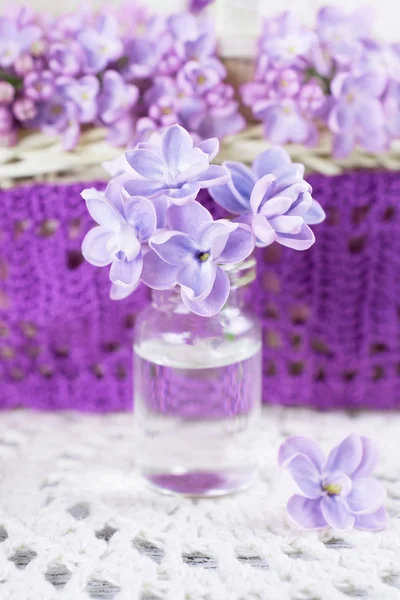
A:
(342, 33)
(6, 120)
(65, 58)
(284, 39)
(392, 109)
(201, 77)
(311, 98)
(101, 44)
(338, 491)
(15, 39)
(24, 109)
(273, 199)
(124, 225)
(378, 58)
(174, 167)
(7, 93)
(284, 121)
(164, 111)
(357, 114)
(142, 55)
(24, 64)
(191, 253)
(83, 92)
(116, 97)
(122, 131)
(39, 85)
(197, 6)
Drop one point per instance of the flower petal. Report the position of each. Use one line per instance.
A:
(366, 496)
(197, 278)
(242, 181)
(270, 161)
(346, 457)
(101, 210)
(119, 292)
(276, 206)
(174, 247)
(209, 147)
(225, 197)
(144, 187)
(286, 224)
(215, 300)
(184, 194)
(213, 236)
(306, 475)
(262, 192)
(147, 164)
(239, 246)
(187, 218)
(373, 522)
(300, 445)
(315, 214)
(176, 144)
(298, 241)
(306, 512)
(158, 274)
(114, 195)
(336, 513)
(214, 175)
(95, 246)
(262, 230)
(369, 458)
(141, 214)
(126, 273)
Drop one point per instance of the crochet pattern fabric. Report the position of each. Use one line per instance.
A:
(330, 315)
(77, 524)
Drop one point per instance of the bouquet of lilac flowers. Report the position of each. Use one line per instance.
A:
(152, 229)
(334, 77)
(123, 69)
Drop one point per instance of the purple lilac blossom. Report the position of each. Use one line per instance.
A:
(83, 93)
(285, 122)
(39, 85)
(197, 6)
(342, 33)
(124, 225)
(24, 109)
(14, 40)
(6, 120)
(7, 92)
(190, 254)
(339, 491)
(24, 64)
(391, 107)
(101, 44)
(66, 58)
(116, 97)
(201, 77)
(357, 114)
(285, 39)
(273, 199)
(173, 166)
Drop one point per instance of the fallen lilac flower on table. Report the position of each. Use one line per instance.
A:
(338, 491)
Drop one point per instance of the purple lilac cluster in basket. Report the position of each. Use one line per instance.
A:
(331, 315)
(334, 76)
(123, 68)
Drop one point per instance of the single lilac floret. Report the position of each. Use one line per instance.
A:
(173, 166)
(339, 491)
(191, 254)
(273, 199)
(124, 224)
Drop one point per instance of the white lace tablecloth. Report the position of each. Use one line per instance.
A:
(76, 524)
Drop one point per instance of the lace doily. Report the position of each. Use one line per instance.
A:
(76, 523)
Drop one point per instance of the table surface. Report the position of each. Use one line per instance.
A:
(76, 523)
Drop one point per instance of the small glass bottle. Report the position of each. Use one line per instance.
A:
(198, 392)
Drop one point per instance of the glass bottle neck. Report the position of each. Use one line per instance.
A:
(240, 276)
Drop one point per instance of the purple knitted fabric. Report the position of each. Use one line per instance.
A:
(331, 315)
